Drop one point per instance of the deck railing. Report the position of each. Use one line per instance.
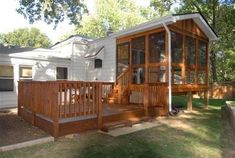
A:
(157, 94)
(57, 100)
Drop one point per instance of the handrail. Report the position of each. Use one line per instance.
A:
(122, 74)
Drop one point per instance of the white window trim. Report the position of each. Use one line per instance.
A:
(13, 90)
(27, 66)
(67, 73)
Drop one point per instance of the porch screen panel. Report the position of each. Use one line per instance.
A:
(157, 74)
(123, 51)
(138, 50)
(177, 75)
(138, 75)
(176, 47)
(138, 60)
(157, 47)
(190, 51)
(202, 54)
(202, 49)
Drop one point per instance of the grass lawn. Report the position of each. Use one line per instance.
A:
(202, 133)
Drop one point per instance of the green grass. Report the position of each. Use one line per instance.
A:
(197, 134)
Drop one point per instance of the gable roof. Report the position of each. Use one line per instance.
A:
(81, 37)
(196, 17)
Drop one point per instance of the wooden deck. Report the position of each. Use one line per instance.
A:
(64, 107)
(111, 113)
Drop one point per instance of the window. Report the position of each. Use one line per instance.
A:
(98, 63)
(157, 74)
(176, 47)
(202, 54)
(6, 78)
(123, 51)
(61, 73)
(190, 51)
(157, 47)
(138, 75)
(138, 50)
(25, 73)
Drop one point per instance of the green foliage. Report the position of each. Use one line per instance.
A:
(25, 37)
(52, 11)
(162, 7)
(113, 14)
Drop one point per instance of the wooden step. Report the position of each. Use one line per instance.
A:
(140, 120)
(125, 123)
(114, 125)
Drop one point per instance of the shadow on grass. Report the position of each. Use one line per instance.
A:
(203, 138)
(166, 141)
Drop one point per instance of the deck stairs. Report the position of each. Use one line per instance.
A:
(120, 90)
(125, 123)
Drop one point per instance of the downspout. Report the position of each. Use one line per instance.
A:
(169, 68)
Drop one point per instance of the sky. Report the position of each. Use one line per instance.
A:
(11, 20)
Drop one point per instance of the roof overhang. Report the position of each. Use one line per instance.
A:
(198, 19)
(95, 52)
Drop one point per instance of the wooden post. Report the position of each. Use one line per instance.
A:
(189, 101)
(33, 102)
(206, 98)
(146, 98)
(19, 98)
(55, 90)
(99, 104)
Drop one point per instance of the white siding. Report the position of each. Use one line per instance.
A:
(42, 71)
(78, 62)
(70, 56)
(108, 70)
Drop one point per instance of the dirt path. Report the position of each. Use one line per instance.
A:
(15, 130)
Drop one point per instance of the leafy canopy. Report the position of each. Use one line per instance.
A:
(25, 37)
(113, 14)
(52, 11)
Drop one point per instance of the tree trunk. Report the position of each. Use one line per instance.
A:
(213, 65)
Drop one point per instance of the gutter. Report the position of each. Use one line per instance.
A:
(169, 68)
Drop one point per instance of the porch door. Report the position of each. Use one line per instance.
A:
(123, 53)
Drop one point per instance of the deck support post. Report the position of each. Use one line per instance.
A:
(146, 99)
(100, 107)
(206, 98)
(189, 101)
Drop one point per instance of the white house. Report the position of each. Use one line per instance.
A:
(77, 57)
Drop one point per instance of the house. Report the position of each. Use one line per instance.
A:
(127, 75)
(56, 63)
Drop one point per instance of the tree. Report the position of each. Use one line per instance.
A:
(220, 15)
(25, 37)
(113, 14)
(52, 11)
(162, 7)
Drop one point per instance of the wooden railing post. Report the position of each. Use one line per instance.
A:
(55, 90)
(146, 98)
(20, 91)
(99, 105)
(33, 89)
